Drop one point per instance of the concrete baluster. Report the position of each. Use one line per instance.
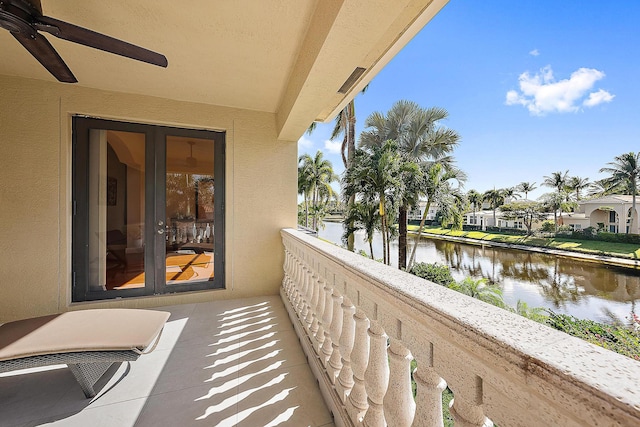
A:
(319, 338)
(345, 378)
(293, 269)
(357, 401)
(376, 376)
(298, 283)
(291, 277)
(308, 318)
(304, 307)
(287, 271)
(293, 284)
(466, 406)
(299, 286)
(335, 361)
(313, 327)
(429, 395)
(327, 316)
(399, 406)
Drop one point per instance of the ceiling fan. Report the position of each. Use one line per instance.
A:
(24, 18)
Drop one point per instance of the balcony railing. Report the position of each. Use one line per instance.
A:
(362, 323)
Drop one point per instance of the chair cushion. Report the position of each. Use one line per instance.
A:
(78, 331)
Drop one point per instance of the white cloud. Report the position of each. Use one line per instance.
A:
(304, 143)
(534, 52)
(598, 97)
(541, 93)
(334, 147)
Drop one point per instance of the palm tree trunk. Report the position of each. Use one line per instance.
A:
(371, 247)
(633, 211)
(402, 238)
(388, 245)
(383, 222)
(475, 219)
(315, 201)
(351, 237)
(384, 239)
(351, 151)
(419, 235)
(306, 209)
(559, 219)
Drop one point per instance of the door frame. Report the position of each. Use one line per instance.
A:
(155, 205)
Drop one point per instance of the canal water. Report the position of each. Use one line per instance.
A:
(582, 289)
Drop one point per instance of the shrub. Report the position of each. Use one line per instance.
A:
(548, 226)
(439, 274)
(467, 227)
(613, 337)
(564, 230)
(589, 233)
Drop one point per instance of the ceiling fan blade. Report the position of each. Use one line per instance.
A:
(73, 33)
(42, 50)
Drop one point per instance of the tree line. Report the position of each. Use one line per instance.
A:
(404, 156)
(623, 178)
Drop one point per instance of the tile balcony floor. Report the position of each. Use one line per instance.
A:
(222, 363)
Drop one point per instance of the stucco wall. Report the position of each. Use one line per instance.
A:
(35, 192)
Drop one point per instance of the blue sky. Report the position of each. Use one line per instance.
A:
(533, 87)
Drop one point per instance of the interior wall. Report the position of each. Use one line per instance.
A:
(35, 192)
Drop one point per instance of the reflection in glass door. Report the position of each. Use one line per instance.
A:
(116, 210)
(148, 209)
(190, 226)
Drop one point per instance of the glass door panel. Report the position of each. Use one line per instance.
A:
(148, 209)
(189, 214)
(116, 210)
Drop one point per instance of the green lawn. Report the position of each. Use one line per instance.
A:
(623, 250)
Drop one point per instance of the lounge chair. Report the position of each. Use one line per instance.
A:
(87, 341)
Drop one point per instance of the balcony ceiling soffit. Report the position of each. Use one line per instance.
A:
(287, 57)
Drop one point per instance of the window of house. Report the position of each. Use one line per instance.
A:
(148, 209)
(612, 216)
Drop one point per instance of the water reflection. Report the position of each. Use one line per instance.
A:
(578, 288)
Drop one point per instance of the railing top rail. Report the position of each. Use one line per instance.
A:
(511, 341)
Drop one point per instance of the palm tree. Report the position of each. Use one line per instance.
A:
(526, 188)
(345, 125)
(577, 184)
(537, 314)
(318, 173)
(363, 216)
(495, 199)
(511, 193)
(420, 139)
(480, 290)
(452, 207)
(624, 172)
(475, 199)
(375, 176)
(304, 188)
(438, 180)
(597, 189)
(557, 180)
(553, 202)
